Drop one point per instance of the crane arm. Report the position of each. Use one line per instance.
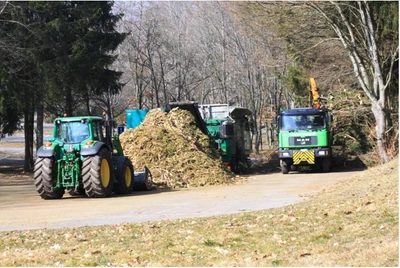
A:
(314, 95)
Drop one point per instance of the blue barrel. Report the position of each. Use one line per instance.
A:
(120, 129)
(135, 117)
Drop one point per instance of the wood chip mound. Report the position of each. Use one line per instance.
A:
(175, 151)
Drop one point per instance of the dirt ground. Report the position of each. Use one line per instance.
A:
(22, 208)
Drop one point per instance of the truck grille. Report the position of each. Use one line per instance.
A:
(301, 141)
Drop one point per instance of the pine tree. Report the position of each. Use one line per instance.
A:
(79, 39)
(54, 55)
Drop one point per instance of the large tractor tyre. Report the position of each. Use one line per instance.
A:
(97, 174)
(45, 175)
(285, 167)
(124, 175)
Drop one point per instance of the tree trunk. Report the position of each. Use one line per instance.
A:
(380, 118)
(28, 132)
(39, 126)
(68, 102)
(368, 69)
(257, 131)
(163, 83)
(87, 102)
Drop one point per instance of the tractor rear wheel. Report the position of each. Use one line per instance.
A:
(124, 176)
(97, 174)
(45, 175)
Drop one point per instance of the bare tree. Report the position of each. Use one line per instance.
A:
(353, 23)
(200, 51)
(131, 54)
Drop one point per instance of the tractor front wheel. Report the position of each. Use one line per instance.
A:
(97, 174)
(45, 175)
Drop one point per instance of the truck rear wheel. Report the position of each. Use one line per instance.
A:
(45, 175)
(124, 175)
(97, 174)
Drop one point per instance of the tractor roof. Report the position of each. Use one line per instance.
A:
(78, 118)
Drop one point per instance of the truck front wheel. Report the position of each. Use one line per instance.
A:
(285, 167)
(97, 174)
(45, 175)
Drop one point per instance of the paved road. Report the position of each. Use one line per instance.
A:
(21, 207)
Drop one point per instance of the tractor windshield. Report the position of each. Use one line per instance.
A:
(72, 132)
(303, 122)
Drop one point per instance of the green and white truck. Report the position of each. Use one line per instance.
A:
(305, 138)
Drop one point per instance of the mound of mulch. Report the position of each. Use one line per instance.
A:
(176, 152)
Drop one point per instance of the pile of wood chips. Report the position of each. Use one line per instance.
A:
(176, 152)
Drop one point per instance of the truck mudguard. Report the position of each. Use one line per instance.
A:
(92, 150)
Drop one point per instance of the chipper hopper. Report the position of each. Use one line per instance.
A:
(83, 157)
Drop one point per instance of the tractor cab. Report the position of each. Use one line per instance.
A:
(77, 130)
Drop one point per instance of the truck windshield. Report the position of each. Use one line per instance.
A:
(72, 132)
(302, 122)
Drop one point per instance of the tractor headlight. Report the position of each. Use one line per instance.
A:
(47, 144)
(322, 153)
(285, 154)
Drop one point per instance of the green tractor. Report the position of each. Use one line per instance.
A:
(82, 159)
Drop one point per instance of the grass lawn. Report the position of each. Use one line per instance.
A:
(353, 223)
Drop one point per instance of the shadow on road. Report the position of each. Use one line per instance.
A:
(338, 165)
(12, 172)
